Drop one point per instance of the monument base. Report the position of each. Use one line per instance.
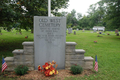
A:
(26, 57)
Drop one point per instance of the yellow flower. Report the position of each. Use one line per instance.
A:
(53, 71)
(57, 72)
(46, 68)
(50, 73)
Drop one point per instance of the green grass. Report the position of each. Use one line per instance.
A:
(107, 50)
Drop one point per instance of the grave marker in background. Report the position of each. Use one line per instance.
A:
(70, 30)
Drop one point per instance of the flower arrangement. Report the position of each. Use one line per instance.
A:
(48, 68)
(95, 41)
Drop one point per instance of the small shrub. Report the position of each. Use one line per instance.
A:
(21, 70)
(76, 69)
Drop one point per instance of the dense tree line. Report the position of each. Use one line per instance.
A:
(103, 13)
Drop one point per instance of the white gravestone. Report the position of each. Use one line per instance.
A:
(49, 40)
(70, 30)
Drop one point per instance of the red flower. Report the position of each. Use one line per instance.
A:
(39, 68)
(47, 73)
(48, 69)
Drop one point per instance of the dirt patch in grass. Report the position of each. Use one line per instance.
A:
(37, 75)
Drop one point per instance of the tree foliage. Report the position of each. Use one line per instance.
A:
(15, 13)
(112, 17)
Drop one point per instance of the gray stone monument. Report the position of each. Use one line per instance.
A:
(49, 40)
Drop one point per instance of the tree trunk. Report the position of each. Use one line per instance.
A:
(31, 30)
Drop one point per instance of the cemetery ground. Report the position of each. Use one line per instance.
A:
(107, 50)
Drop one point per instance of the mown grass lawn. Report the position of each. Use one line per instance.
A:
(107, 50)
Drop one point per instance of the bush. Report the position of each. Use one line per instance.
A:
(21, 70)
(76, 69)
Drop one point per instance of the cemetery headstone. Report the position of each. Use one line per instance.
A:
(74, 32)
(94, 30)
(83, 30)
(70, 30)
(77, 29)
(49, 40)
(116, 31)
(117, 34)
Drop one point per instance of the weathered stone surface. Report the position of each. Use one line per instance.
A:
(70, 63)
(28, 43)
(70, 53)
(29, 58)
(70, 46)
(28, 53)
(74, 56)
(88, 63)
(9, 59)
(27, 47)
(29, 50)
(19, 58)
(71, 43)
(16, 63)
(88, 58)
(9, 64)
(49, 40)
(10, 68)
(18, 51)
(81, 63)
(31, 68)
(79, 51)
(29, 64)
(70, 50)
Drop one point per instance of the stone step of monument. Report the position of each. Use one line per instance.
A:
(10, 63)
(9, 59)
(29, 64)
(79, 51)
(18, 51)
(74, 57)
(89, 58)
(71, 43)
(88, 62)
(70, 47)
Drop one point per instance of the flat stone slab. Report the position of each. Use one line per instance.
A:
(79, 51)
(71, 43)
(18, 51)
(10, 59)
(28, 43)
(88, 58)
(32, 43)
